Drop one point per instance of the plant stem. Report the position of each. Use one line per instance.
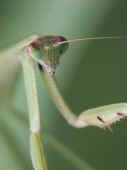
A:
(36, 147)
(67, 153)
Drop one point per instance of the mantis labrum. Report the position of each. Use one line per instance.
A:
(44, 53)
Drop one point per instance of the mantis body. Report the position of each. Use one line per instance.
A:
(44, 53)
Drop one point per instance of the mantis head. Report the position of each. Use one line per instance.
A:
(48, 49)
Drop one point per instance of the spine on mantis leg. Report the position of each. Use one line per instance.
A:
(36, 147)
(102, 117)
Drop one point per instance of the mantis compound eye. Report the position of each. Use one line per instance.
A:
(48, 49)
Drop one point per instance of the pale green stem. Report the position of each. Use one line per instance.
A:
(67, 153)
(37, 153)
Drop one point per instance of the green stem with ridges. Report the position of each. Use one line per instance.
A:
(36, 147)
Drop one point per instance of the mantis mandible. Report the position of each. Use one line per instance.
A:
(44, 53)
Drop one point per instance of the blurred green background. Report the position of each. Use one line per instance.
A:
(91, 73)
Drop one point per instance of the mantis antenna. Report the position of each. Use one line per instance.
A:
(93, 38)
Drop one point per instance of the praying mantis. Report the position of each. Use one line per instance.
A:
(44, 53)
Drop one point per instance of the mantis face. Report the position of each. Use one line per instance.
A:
(48, 50)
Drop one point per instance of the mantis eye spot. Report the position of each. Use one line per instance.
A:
(100, 119)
